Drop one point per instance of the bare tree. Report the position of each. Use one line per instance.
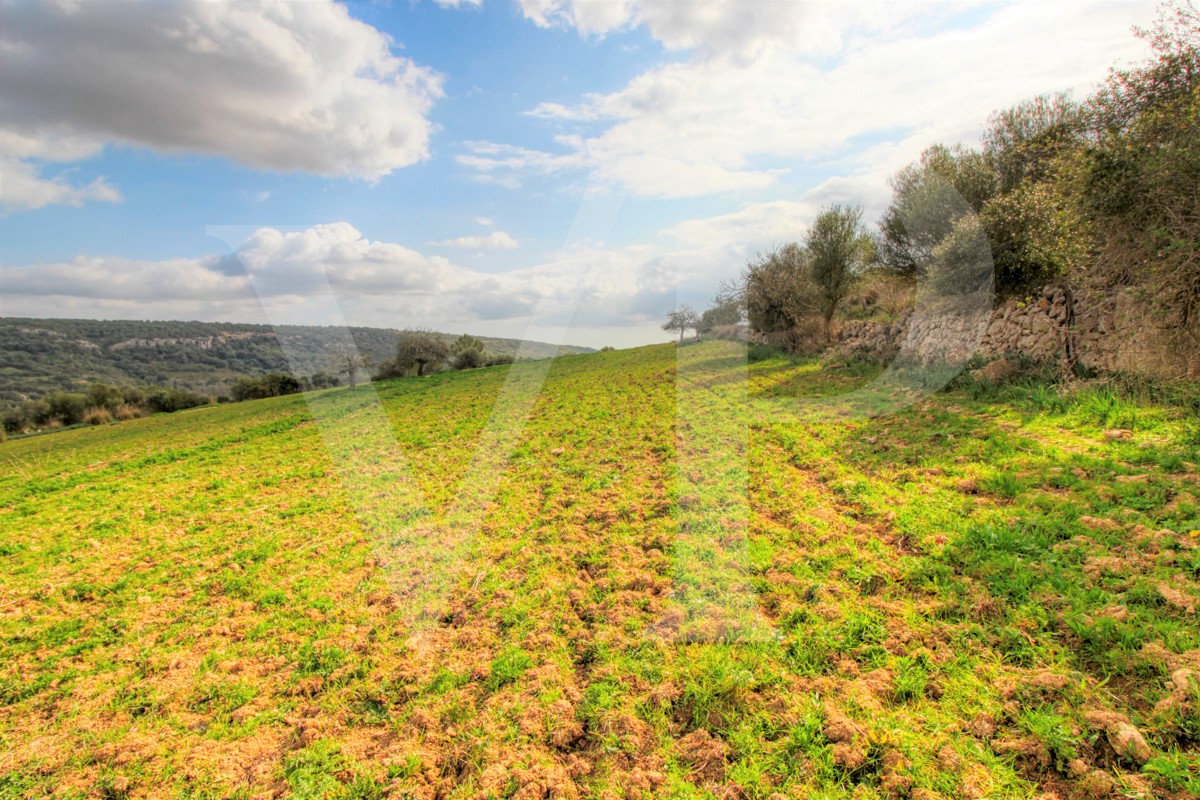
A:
(681, 319)
(349, 362)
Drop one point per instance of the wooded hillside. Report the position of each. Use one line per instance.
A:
(38, 356)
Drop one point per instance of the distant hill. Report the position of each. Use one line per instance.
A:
(38, 356)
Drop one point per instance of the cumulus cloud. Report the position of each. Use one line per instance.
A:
(499, 240)
(770, 87)
(274, 85)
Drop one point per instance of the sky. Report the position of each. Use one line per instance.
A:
(559, 170)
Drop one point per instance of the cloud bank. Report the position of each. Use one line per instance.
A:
(374, 283)
(773, 87)
(275, 85)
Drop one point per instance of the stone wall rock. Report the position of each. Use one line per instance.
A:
(1107, 329)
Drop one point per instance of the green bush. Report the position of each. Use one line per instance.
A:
(67, 407)
(166, 401)
(274, 384)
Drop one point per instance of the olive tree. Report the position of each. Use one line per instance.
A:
(928, 198)
(839, 249)
(417, 351)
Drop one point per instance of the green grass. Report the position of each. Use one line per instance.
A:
(323, 596)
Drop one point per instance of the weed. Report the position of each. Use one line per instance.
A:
(508, 667)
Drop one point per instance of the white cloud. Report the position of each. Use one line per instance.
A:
(601, 295)
(758, 226)
(741, 27)
(493, 162)
(374, 283)
(204, 278)
(274, 85)
(459, 3)
(21, 187)
(773, 86)
(486, 222)
(497, 240)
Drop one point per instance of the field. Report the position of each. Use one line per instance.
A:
(990, 593)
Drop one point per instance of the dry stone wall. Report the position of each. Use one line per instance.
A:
(1106, 329)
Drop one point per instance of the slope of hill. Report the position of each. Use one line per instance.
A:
(38, 356)
(407, 590)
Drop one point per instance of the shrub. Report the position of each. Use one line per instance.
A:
(880, 296)
(165, 401)
(273, 384)
(778, 291)
(67, 407)
(101, 395)
(128, 411)
(735, 333)
(98, 416)
(17, 418)
(1142, 172)
(133, 395)
(962, 262)
(1035, 236)
(321, 380)
(725, 311)
(468, 359)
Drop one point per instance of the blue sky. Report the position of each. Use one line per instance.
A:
(558, 169)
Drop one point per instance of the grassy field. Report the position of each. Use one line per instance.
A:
(989, 594)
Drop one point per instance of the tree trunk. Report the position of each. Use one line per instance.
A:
(1070, 345)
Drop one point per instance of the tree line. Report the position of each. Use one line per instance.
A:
(1100, 192)
(98, 404)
